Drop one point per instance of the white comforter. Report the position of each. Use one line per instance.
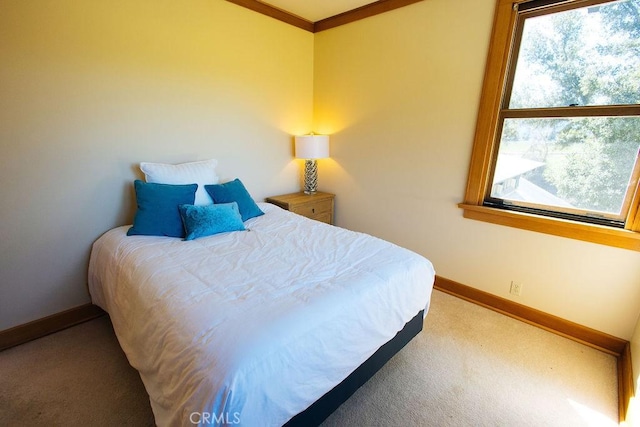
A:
(250, 328)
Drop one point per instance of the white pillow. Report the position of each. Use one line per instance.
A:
(201, 173)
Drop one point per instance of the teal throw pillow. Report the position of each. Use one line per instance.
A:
(234, 191)
(157, 213)
(207, 220)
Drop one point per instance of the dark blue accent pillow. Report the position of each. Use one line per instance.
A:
(157, 213)
(207, 220)
(234, 191)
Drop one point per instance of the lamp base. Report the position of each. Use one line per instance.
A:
(310, 176)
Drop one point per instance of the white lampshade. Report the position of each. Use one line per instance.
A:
(312, 146)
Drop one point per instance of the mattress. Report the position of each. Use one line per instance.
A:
(251, 327)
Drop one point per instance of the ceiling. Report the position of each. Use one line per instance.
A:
(316, 10)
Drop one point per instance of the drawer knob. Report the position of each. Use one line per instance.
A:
(313, 210)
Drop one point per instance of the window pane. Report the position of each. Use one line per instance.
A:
(569, 164)
(587, 56)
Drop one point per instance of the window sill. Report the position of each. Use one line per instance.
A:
(558, 227)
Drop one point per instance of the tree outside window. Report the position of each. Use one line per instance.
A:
(563, 139)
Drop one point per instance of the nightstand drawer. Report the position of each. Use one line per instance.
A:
(314, 209)
(325, 217)
(318, 206)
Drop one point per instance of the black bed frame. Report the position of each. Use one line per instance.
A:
(315, 414)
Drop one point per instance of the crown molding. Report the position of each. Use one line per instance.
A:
(375, 8)
(274, 12)
(371, 9)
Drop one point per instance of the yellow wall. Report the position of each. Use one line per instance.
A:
(88, 89)
(400, 93)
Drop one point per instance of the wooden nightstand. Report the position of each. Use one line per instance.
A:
(318, 206)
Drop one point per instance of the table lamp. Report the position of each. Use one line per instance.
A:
(311, 147)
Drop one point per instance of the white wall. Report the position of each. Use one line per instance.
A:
(399, 93)
(88, 89)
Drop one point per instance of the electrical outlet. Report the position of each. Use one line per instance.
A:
(516, 288)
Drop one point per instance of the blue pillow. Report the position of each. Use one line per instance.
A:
(207, 220)
(157, 213)
(234, 191)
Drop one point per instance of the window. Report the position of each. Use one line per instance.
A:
(557, 146)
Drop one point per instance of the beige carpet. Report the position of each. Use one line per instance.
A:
(469, 367)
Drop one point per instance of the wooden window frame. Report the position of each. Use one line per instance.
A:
(484, 152)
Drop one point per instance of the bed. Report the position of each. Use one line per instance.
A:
(262, 327)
